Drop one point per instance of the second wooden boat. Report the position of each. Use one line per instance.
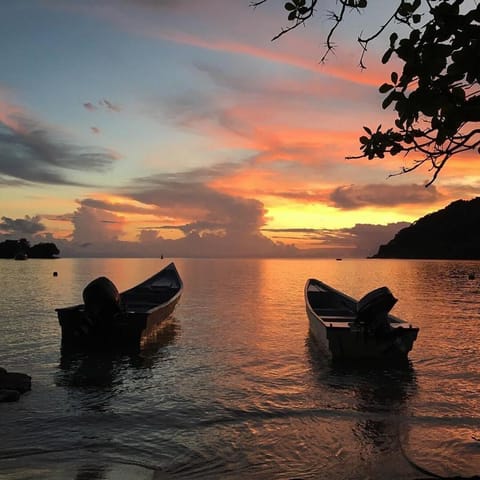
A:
(347, 329)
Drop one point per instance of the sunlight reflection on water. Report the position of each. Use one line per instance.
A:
(233, 386)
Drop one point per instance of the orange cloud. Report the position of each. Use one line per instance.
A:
(369, 77)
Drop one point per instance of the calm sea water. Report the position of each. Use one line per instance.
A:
(234, 387)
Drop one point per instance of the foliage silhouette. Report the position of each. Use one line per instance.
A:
(10, 248)
(436, 97)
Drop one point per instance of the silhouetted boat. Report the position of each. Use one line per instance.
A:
(347, 329)
(21, 256)
(108, 318)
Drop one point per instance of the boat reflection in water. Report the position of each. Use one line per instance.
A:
(106, 368)
(372, 406)
(97, 385)
(91, 472)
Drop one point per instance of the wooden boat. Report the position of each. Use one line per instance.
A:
(347, 329)
(110, 319)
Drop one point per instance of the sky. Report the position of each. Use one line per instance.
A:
(142, 128)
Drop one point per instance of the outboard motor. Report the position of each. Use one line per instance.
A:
(373, 308)
(102, 301)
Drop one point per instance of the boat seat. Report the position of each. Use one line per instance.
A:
(338, 318)
(335, 312)
(163, 286)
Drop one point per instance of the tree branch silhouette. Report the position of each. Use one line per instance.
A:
(436, 96)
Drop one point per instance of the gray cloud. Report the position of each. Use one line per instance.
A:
(109, 105)
(21, 226)
(104, 103)
(90, 106)
(11, 182)
(361, 240)
(113, 207)
(291, 230)
(93, 226)
(193, 110)
(352, 197)
(367, 237)
(28, 152)
(198, 200)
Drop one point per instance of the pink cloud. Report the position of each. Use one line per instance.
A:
(369, 77)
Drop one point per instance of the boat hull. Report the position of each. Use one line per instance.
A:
(347, 343)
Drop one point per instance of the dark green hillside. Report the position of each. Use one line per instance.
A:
(450, 233)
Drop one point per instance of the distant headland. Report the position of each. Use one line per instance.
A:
(450, 233)
(14, 248)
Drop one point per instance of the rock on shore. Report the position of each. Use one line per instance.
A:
(13, 384)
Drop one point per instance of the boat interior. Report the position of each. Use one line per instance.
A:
(330, 305)
(148, 297)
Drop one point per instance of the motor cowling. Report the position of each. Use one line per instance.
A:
(102, 301)
(373, 309)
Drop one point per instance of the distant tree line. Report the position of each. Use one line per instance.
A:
(12, 248)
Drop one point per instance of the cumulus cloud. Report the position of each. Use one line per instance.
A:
(21, 226)
(359, 241)
(148, 235)
(200, 202)
(28, 151)
(96, 226)
(367, 238)
(217, 224)
(357, 196)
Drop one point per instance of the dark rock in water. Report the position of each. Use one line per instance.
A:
(12, 384)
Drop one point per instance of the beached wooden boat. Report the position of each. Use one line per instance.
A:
(347, 329)
(110, 319)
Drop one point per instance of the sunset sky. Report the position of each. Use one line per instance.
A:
(176, 127)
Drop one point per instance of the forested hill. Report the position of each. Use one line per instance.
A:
(450, 233)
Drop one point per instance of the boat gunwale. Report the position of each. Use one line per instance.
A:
(170, 267)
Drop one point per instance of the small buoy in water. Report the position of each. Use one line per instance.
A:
(55, 274)
(471, 276)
